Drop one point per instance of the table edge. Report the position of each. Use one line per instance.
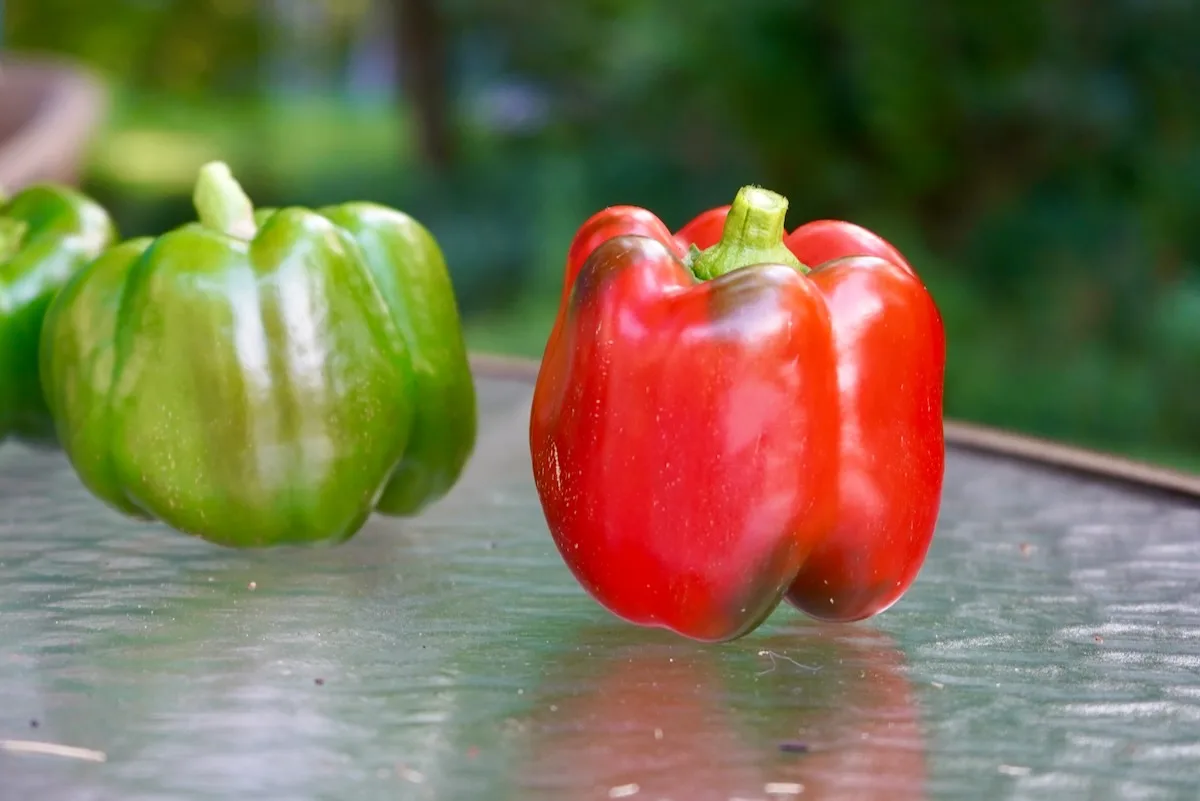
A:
(965, 436)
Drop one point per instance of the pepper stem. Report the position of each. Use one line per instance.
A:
(222, 203)
(753, 235)
(12, 236)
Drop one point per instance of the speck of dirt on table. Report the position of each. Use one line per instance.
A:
(1098, 638)
(793, 747)
(319, 682)
(33, 723)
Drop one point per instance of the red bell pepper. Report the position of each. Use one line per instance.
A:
(716, 426)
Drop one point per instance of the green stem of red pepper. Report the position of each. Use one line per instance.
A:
(222, 204)
(753, 234)
(12, 236)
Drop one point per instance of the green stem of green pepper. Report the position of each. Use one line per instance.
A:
(753, 234)
(221, 202)
(12, 236)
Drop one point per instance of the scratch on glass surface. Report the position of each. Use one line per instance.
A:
(52, 749)
(1014, 770)
(410, 775)
(772, 655)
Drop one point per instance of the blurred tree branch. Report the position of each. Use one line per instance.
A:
(423, 65)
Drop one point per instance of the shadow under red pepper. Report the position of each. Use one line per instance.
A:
(830, 711)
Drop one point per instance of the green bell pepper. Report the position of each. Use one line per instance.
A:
(264, 379)
(47, 233)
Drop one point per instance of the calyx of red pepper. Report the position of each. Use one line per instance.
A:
(222, 204)
(12, 236)
(753, 235)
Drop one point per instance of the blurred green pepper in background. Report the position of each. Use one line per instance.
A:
(264, 379)
(47, 234)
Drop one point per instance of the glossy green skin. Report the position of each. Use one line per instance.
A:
(266, 392)
(47, 234)
(417, 288)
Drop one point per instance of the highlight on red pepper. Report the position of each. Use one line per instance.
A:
(732, 416)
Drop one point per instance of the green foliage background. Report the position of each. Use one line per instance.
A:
(1038, 162)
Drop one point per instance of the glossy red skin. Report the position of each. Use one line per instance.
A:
(625, 506)
(612, 222)
(891, 355)
(681, 435)
(704, 230)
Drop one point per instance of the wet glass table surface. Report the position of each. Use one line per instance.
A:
(1050, 649)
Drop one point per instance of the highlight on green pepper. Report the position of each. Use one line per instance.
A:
(264, 379)
(48, 232)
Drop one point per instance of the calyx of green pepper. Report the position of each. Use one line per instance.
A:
(753, 234)
(222, 204)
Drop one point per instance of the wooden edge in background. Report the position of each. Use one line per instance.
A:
(972, 436)
(505, 368)
(967, 436)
